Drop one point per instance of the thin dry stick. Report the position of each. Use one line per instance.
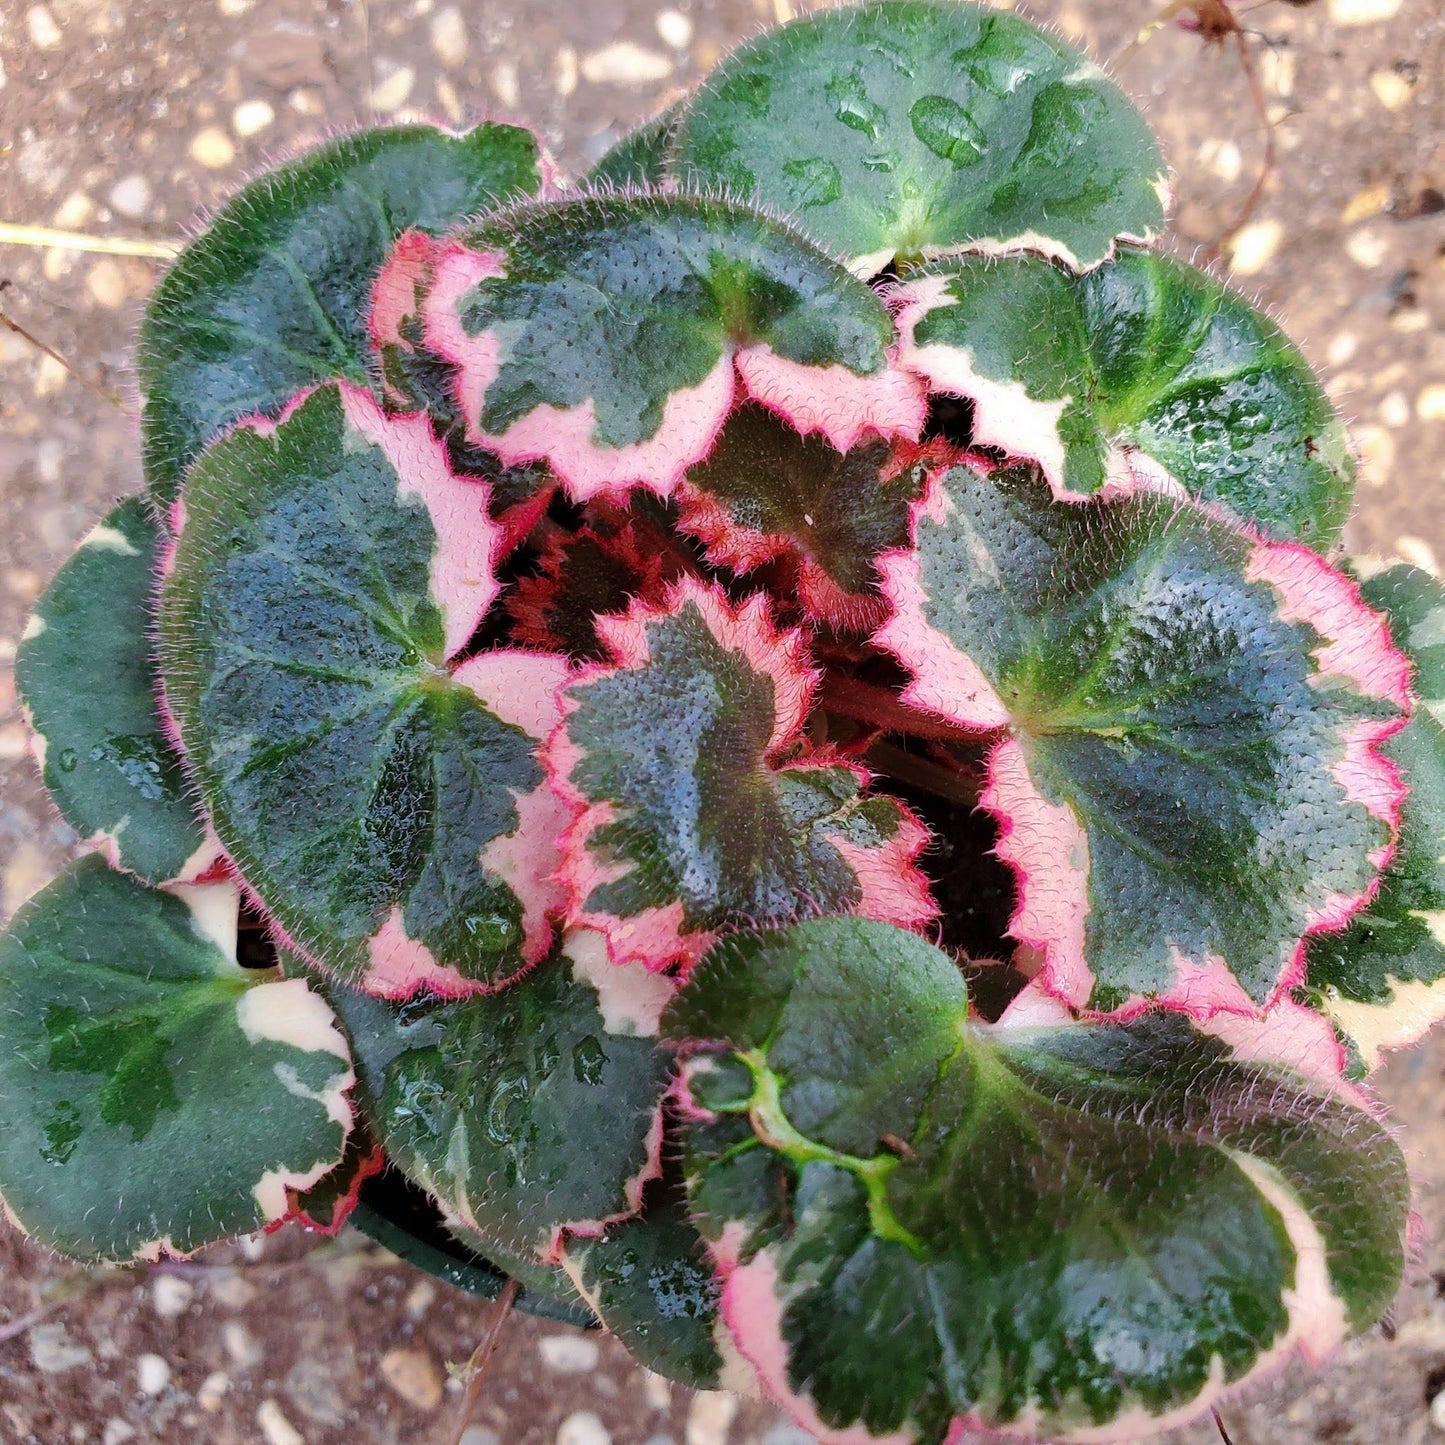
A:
(1223, 1433)
(1266, 169)
(12, 234)
(112, 397)
(481, 1358)
(18, 1326)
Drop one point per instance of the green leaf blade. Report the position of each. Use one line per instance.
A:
(1180, 706)
(323, 581)
(690, 816)
(129, 1030)
(1152, 372)
(610, 337)
(1078, 1231)
(530, 1114)
(273, 297)
(908, 129)
(86, 677)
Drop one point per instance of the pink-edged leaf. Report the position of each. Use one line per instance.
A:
(695, 810)
(531, 1114)
(1143, 371)
(271, 297)
(409, 379)
(381, 798)
(611, 336)
(765, 492)
(159, 1095)
(1051, 1230)
(1187, 774)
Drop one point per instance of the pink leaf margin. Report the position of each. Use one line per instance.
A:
(831, 399)
(892, 887)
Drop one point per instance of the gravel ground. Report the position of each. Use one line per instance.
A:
(128, 118)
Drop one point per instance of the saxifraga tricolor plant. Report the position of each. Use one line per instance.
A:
(799, 742)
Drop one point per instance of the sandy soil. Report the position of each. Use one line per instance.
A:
(129, 117)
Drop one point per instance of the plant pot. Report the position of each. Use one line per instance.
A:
(403, 1219)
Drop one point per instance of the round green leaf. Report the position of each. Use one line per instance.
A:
(910, 128)
(86, 677)
(528, 1113)
(274, 295)
(926, 1227)
(1186, 777)
(609, 336)
(383, 801)
(157, 1095)
(1145, 366)
(695, 812)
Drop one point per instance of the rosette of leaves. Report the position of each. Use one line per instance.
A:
(770, 731)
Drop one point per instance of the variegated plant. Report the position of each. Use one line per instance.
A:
(783, 730)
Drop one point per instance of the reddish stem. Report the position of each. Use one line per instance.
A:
(865, 702)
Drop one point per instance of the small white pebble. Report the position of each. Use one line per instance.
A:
(117, 1431)
(106, 283)
(1342, 348)
(1430, 404)
(1377, 454)
(232, 8)
(505, 84)
(625, 63)
(451, 101)
(568, 1354)
(277, 1429)
(213, 1391)
(415, 1376)
(1437, 1411)
(1365, 204)
(1223, 158)
(251, 117)
(45, 34)
(582, 1427)
(419, 1299)
(75, 210)
(710, 1417)
(479, 1435)
(656, 1391)
(1418, 553)
(252, 1246)
(152, 1374)
(674, 28)
(392, 93)
(1395, 409)
(449, 37)
(1255, 246)
(564, 71)
(131, 196)
(171, 1295)
(1392, 89)
(1366, 247)
(241, 1344)
(1363, 12)
(213, 148)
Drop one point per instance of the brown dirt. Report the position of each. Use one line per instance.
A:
(129, 117)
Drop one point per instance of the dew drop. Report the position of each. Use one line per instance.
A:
(853, 106)
(946, 128)
(588, 1060)
(817, 182)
